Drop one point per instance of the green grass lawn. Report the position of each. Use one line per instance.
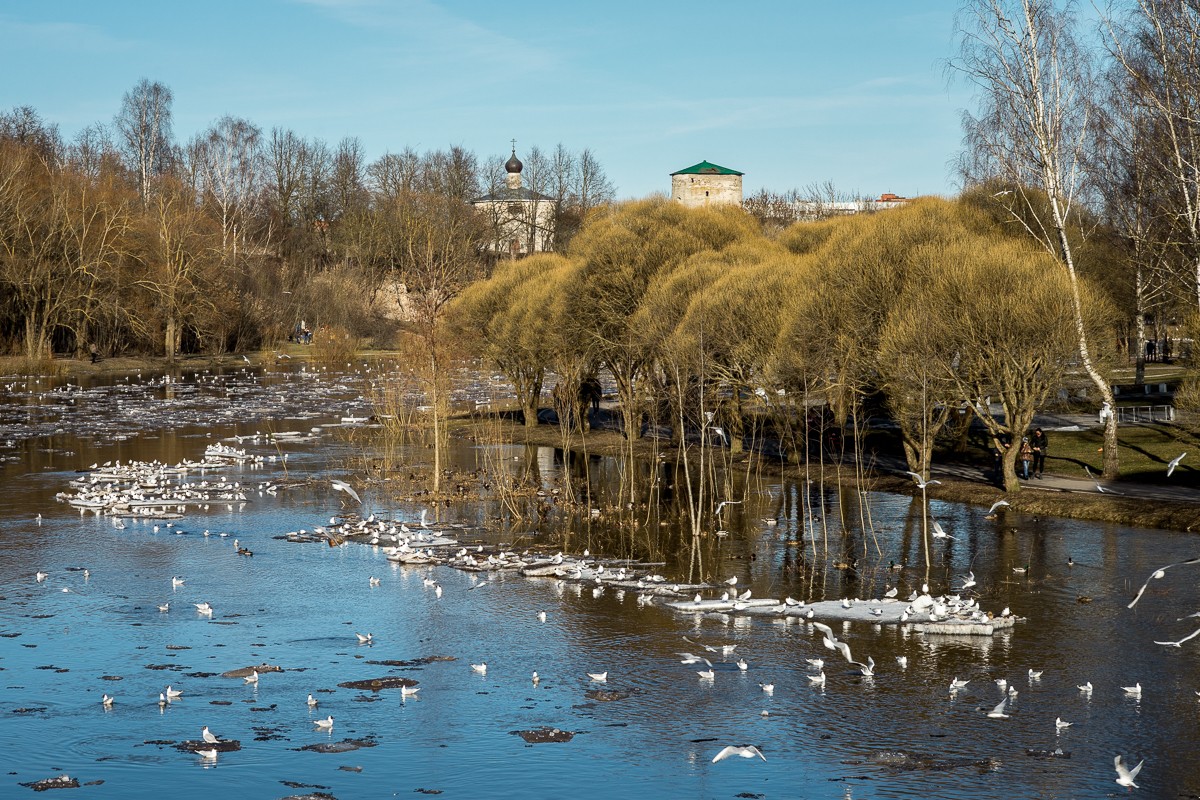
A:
(1144, 449)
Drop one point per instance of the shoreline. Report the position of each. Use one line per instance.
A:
(1057, 497)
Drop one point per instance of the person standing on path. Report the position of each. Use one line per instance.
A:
(1026, 456)
(1038, 443)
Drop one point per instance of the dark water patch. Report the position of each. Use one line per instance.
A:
(223, 746)
(344, 746)
(244, 672)
(43, 616)
(544, 735)
(60, 782)
(375, 684)
(414, 662)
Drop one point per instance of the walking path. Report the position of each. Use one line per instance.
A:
(1059, 483)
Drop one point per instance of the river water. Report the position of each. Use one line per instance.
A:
(69, 639)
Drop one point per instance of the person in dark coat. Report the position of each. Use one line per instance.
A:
(1038, 442)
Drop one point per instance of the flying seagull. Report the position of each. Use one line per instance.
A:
(939, 532)
(342, 486)
(1174, 463)
(1157, 575)
(1179, 643)
(750, 751)
(922, 483)
(1125, 775)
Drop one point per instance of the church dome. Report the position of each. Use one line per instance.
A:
(513, 165)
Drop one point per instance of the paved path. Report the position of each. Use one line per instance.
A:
(1058, 483)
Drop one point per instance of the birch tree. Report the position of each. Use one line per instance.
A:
(1031, 84)
(144, 123)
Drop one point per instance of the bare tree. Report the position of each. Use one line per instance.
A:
(227, 158)
(1032, 83)
(1156, 45)
(145, 126)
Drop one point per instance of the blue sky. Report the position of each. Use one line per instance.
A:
(792, 92)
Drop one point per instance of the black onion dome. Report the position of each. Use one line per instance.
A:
(513, 164)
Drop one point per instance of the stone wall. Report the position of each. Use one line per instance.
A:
(706, 190)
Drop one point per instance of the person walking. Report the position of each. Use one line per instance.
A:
(1038, 443)
(1026, 456)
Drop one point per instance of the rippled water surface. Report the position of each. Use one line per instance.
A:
(71, 638)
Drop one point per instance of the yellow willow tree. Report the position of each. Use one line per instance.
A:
(506, 320)
(994, 319)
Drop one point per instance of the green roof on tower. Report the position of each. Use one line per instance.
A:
(706, 168)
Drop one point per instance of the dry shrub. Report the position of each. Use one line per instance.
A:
(333, 345)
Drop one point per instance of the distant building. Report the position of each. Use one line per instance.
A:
(820, 209)
(522, 220)
(707, 184)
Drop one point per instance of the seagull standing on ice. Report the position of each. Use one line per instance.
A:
(209, 736)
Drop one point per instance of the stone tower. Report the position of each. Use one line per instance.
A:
(706, 184)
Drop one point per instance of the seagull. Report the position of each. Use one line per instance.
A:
(1133, 691)
(536, 679)
(208, 755)
(939, 531)
(750, 751)
(1179, 643)
(816, 663)
(706, 674)
(956, 684)
(998, 711)
(41, 576)
(1060, 725)
(598, 677)
(312, 701)
(176, 581)
(1035, 674)
(1086, 688)
(541, 616)
(173, 693)
(409, 691)
(1099, 488)
(969, 581)
(203, 608)
(902, 661)
(209, 736)
(165, 607)
(818, 679)
(1174, 463)
(480, 668)
(769, 688)
(374, 581)
(324, 724)
(741, 664)
(364, 638)
(106, 701)
(252, 677)
(1157, 575)
(732, 581)
(722, 505)
(342, 486)
(992, 511)
(1125, 775)
(867, 669)
(922, 483)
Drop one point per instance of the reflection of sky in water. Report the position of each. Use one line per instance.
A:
(299, 606)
